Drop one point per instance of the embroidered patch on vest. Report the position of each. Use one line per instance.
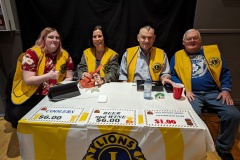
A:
(156, 67)
(63, 68)
(214, 62)
(105, 68)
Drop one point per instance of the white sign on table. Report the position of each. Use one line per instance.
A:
(111, 116)
(57, 114)
(170, 118)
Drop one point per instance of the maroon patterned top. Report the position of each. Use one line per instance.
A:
(30, 62)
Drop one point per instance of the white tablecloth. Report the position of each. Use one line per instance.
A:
(74, 141)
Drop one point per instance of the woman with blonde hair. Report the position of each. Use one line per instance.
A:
(39, 68)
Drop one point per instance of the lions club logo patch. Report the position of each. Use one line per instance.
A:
(157, 67)
(114, 146)
(105, 68)
(214, 62)
(63, 68)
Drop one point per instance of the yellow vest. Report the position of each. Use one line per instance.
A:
(183, 66)
(155, 65)
(91, 59)
(22, 92)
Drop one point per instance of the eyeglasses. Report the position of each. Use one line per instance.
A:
(192, 39)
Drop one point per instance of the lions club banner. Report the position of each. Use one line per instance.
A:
(110, 134)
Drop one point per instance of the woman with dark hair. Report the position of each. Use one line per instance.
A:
(41, 67)
(99, 55)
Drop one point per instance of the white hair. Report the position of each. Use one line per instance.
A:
(191, 30)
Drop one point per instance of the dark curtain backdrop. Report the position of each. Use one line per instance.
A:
(122, 20)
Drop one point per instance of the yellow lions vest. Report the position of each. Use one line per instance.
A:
(155, 65)
(22, 92)
(183, 66)
(91, 59)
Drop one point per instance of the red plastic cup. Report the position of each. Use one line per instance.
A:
(177, 90)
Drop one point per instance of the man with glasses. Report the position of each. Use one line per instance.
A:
(208, 82)
(143, 61)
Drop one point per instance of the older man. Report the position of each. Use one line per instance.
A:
(141, 62)
(207, 81)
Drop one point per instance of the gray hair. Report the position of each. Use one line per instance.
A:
(148, 28)
(191, 30)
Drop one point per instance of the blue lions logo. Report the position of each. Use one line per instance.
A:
(114, 146)
(199, 67)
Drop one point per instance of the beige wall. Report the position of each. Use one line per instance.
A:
(218, 22)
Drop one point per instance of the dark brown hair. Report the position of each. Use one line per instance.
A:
(98, 27)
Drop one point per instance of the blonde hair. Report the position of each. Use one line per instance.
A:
(41, 40)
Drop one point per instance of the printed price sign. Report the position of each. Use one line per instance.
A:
(170, 118)
(110, 116)
(57, 114)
